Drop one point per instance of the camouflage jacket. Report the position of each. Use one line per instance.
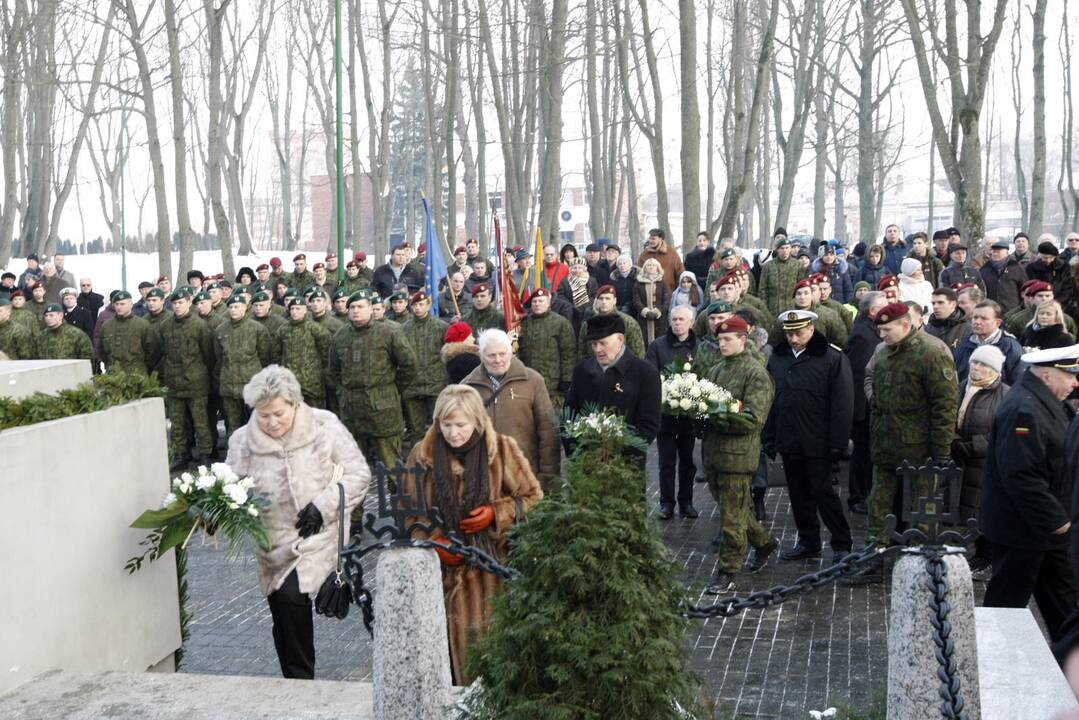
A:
(746, 379)
(426, 336)
(844, 314)
(359, 282)
(368, 366)
(272, 322)
(915, 402)
(301, 281)
(187, 355)
(328, 322)
(16, 341)
(156, 320)
(65, 342)
(634, 338)
(488, 318)
(130, 344)
(27, 319)
(241, 349)
(303, 347)
(778, 278)
(546, 344)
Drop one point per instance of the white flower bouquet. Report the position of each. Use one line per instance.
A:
(216, 500)
(687, 395)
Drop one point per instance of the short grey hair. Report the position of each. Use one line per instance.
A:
(273, 381)
(868, 300)
(493, 337)
(684, 309)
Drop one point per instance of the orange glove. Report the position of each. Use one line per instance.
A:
(446, 556)
(478, 520)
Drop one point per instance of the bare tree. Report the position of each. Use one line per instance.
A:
(179, 138)
(1017, 105)
(1069, 201)
(690, 156)
(13, 23)
(1037, 175)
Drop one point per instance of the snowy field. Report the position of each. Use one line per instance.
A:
(105, 269)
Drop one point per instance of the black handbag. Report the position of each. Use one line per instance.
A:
(335, 595)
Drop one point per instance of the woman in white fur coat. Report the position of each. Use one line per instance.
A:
(290, 450)
(913, 285)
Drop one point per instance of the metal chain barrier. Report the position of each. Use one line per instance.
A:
(950, 689)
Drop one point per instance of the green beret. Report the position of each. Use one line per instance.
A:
(340, 293)
(291, 293)
(53, 307)
(318, 293)
(298, 302)
(258, 287)
(112, 295)
(4, 302)
(204, 295)
(363, 294)
(719, 306)
(183, 292)
(237, 298)
(156, 292)
(120, 295)
(211, 286)
(261, 296)
(399, 295)
(240, 289)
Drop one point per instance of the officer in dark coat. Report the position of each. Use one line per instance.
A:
(1027, 492)
(809, 425)
(616, 379)
(861, 343)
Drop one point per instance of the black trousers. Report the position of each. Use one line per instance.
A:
(809, 483)
(293, 629)
(860, 470)
(1048, 575)
(676, 452)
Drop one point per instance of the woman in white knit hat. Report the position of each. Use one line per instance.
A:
(913, 285)
(982, 393)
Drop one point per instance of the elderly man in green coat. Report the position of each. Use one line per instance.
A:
(128, 343)
(547, 345)
(242, 347)
(426, 335)
(731, 451)
(187, 360)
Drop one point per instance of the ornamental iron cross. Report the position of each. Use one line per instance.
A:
(397, 505)
(933, 519)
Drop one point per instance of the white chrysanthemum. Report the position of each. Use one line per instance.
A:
(233, 506)
(169, 500)
(235, 493)
(247, 483)
(176, 482)
(205, 482)
(685, 403)
(687, 367)
(703, 407)
(694, 392)
(203, 470)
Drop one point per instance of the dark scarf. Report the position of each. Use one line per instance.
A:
(473, 456)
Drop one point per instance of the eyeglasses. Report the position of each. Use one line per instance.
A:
(84, 285)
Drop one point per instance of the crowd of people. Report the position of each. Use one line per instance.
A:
(915, 349)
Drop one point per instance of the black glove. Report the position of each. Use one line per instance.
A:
(959, 449)
(310, 520)
(563, 387)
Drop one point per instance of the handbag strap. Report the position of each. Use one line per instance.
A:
(494, 396)
(338, 472)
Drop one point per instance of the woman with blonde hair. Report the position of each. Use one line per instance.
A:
(1046, 329)
(482, 485)
(651, 300)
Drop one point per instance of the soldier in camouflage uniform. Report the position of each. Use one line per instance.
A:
(707, 354)
(426, 335)
(318, 311)
(128, 343)
(379, 308)
(357, 277)
(21, 315)
(731, 452)
(262, 313)
(914, 403)
(369, 364)
(218, 311)
(745, 279)
(547, 345)
(187, 358)
(59, 340)
(828, 323)
(36, 304)
(300, 278)
(340, 304)
(483, 315)
(730, 290)
(15, 340)
(606, 303)
(155, 307)
(324, 281)
(242, 347)
(824, 287)
(304, 348)
(398, 307)
(778, 277)
(204, 308)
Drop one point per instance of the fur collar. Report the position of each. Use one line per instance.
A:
(425, 450)
(451, 350)
(818, 345)
(303, 432)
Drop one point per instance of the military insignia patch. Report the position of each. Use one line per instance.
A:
(1022, 431)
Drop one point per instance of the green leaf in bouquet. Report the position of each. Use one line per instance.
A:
(152, 519)
(175, 533)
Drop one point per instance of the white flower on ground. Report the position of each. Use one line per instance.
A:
(687, 367)
(203, 470)
(169, 500)
(184, 488)
(820, 714)
(176, 482)
(186, 477)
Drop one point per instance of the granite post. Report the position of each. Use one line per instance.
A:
(411, 674)
(913, 685)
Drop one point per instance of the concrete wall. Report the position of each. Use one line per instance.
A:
(72, 488)
(20, 378)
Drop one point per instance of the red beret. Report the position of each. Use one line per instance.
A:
(606, 290)
(352, 263)
(460, 249)
(163, 278)
(819, 278)
(418, 296)
(37, 285)
(888, 281)
(360, 257)
(405, 244)
(422, 248)
(331, 256)
(261, 267)
(458, 332)
(962, 286)
(481, 287)
(539, 292)
(891, 311)
(803, 283)
(18, 293)
(298, 257)
(730, 278)
(1036, 286)
(316, 266)
(275, 262)
(733, 324)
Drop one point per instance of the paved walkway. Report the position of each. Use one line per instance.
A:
(813, 651)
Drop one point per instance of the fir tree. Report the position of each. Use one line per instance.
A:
(593, 628)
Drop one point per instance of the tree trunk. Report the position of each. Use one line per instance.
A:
(215, 143)
(179, 140)
(14, 33)
(691, 125)
(1037, 175)
(551, 104)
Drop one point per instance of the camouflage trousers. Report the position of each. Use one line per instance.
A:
(738, 525)
(190, 423)
(886, 497)
(315, 401)
(418, 414)
(331, 402)
(236, 414)
(386, 450)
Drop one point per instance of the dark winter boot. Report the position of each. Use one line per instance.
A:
(758, 503)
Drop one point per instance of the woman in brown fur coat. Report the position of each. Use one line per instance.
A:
(480, 481)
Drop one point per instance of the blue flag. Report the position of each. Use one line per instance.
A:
(436, 263)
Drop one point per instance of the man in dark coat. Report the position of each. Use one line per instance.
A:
(809, 426)
(986, 324)
(676, 434)
(861, 343)
(958, 272)
(616, 379)
(89, 299)
(948, 321)
(1003, 277)
(1026, 498)
(395, 273)
(74, 314)
(1050, 268)
(699, 259)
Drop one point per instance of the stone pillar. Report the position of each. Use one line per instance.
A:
(411, 673)
(913, 685)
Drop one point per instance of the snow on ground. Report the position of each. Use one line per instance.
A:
(105, 269)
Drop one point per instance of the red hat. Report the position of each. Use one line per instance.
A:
(539, 292)
(803, 283)
(733, 324)
(458, 332)
(360, 257)
(480, 287)
(1036, 286)
(606, 290)
(460, 249)
(422, 248)
(18, 293)
(891, 311)
(352, 263)
(163, 278)
(262, 267)
(819, 278)
(275, 262)
(316, 266)
(37, 285)
(418, 296)
(298, 257)
(730, 278)
(331, 256)
(888, 281)
(405, 244)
